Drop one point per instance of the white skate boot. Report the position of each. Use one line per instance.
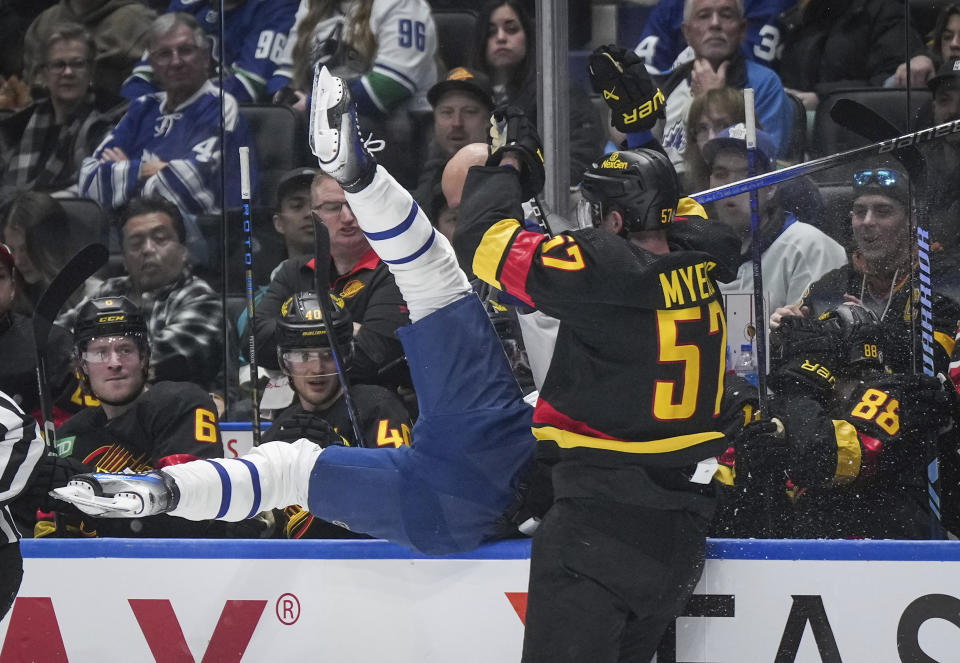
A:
(120, 495)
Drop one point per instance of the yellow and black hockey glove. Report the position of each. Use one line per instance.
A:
(512, 132)
(635, 101)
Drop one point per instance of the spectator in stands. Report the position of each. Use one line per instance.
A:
(386, 51)
(943, 158)
(715, 29)
(18, 363)
(663, 47)
(184, 315)
(319, 412)
(883, 275)
(134, 426)
(944, 41)
(830, 45)
(709, 114)
(505, 50)
(119, 29)
(294, 216)
(462, 103)
(794, 254)
(358, 276)
(168, 143)
(42, 146)
(254, 39)
(39, 235)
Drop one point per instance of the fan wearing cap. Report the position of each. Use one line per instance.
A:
(851, 441)
(320, 410)
(881, 270)
(944, 181)
(462, 103)
(18, 366)
(136, 426)
(794, 253)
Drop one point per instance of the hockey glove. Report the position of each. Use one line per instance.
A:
(799, 337)
(621, 77)
(804, 377)
(762, 453)
(927, 404)
(121, 495)
(306, 425)
(511, 132)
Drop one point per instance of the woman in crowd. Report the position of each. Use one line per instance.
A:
(505, 50)
(42, 146)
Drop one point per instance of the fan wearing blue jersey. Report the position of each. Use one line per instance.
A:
(169, 142)
(255, 36)
(472, 444)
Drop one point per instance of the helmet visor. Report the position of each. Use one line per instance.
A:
(588, 214)
(101, 349)
(308, 362)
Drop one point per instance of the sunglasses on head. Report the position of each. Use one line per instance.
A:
(881, 177)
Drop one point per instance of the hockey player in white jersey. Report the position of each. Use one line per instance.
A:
(472, 443)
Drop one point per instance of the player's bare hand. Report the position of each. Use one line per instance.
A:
(114, 154)
(786, 311)
(704, 77)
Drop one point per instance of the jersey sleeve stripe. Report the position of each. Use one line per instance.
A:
(401, 227)
(848, 451)
(226, 490)
(945, 341)
(491, 250)
(516, 266)
(416, 254)
(255, 479)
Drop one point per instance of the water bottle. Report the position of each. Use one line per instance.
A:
(745, 366)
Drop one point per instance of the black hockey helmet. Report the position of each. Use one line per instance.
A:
(302, 324)
(859, 335)
(640, 184)
(109, 316)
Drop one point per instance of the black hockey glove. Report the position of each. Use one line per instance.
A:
(927, 404)
(512, 132)
(53, 472)
(762, 454)
(799, 337)
(621, 77)
(804, 377)
(306, 425)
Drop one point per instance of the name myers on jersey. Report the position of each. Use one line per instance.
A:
(687, 286)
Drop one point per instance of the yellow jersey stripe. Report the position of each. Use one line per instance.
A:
(489, 255)
(568, 440)
(848, 451)
(690, 207)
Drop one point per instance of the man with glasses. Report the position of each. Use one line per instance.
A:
(42, 146)
(183, 313)
(136, 426)
(319, 412)
(883, 272)
(359, 277)
(255, 39)
(169, 142)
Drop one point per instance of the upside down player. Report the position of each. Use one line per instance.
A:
(471, 444)
(136, 427)
(852, 437)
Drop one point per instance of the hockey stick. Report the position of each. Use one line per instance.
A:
(866, 122)
(889, 146)
(251, 295)
(756, 252)
(321, 280)
(78, 269)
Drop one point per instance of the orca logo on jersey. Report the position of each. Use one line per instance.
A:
(686, 286)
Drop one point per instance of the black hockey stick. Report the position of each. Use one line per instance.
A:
(890, 146)
(756, 253)
(321, 280)
(251, 294)
(864, 121)
(78, 269)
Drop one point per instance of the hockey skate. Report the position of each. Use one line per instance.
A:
(335, 134)
(120, 495)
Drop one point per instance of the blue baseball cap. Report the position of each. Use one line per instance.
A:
(736, 137)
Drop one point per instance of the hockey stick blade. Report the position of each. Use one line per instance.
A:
(878, 148)
(78, 269)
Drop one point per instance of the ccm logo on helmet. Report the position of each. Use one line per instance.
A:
(112, 318)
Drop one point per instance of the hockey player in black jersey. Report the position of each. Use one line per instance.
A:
(136, 427)
(850, 460)
(319, 412)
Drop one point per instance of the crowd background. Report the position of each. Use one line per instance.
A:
(103, 106)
